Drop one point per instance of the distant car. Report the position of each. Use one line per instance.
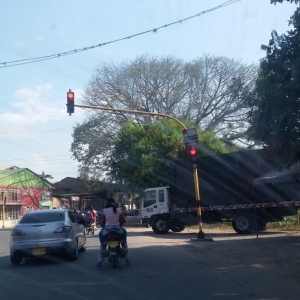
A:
(80, 216)
(132, 217)
(43, 232)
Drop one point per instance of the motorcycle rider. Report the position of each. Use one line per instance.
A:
(112, 219)
(91, 216)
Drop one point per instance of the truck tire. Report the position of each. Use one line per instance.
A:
(243, 224)
(177, 228)
(160, 225)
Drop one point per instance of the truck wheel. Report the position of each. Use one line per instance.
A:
(243, 224)
(160, 225)
(177, 228)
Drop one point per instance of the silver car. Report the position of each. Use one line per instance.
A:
(43, 232)
(132, 217)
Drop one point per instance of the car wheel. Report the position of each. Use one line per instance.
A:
(16, 259)
(74, 255)
(160, 225)
(83, 248)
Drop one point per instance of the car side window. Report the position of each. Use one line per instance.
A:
(72, 217)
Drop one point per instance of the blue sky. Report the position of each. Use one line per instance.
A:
(35, 128)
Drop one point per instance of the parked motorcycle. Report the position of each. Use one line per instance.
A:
(91, 227)
(114, 249)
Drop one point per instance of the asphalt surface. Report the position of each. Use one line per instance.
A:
(163, 267)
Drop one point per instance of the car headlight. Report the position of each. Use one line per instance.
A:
(63, 229)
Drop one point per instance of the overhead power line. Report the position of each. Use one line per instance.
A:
(154, 30)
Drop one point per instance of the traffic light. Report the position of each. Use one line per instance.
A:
(193, 156)
(70, 102)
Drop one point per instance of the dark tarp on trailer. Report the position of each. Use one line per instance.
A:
(279, 186)
(224, 179)
(277, 177)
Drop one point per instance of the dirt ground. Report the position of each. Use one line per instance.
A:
(270, 251)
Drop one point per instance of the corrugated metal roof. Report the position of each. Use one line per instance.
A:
(2, 168)
(26, 177)
(5, 173)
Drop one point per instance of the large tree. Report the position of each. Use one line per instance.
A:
(280, 1)
(141, 152)
(206, 92)
(275, 113)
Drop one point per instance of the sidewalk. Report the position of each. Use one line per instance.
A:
(5, 229)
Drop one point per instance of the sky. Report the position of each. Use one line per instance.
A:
(35, 129)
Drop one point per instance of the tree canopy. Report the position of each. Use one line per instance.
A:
(205, 91)
(275, 102)
(141, 152)
(280, 1)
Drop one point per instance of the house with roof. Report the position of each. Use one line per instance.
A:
(77, 193)
(22, 190)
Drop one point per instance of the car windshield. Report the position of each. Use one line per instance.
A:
(43, 217)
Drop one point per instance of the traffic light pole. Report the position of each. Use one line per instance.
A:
(201, 235)
(131, 112)
(199, 212)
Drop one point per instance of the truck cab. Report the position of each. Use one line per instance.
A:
(155, 203)
(156, 211)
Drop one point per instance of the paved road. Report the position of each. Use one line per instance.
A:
(163, 267)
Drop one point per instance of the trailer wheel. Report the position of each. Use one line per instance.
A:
(177, 228)
(160, 225)
(243, 224)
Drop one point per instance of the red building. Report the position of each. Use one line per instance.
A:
(22, 190)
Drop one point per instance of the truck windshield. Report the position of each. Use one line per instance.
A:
(149, 198)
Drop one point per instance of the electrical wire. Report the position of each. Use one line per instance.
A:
(52, 56)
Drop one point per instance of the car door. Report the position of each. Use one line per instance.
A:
(79, 229)
(132, 216)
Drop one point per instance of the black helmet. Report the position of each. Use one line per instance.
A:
(110, 202)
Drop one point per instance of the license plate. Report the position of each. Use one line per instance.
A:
(113, 243)
(39, 251)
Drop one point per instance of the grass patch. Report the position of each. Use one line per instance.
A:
(221, 226)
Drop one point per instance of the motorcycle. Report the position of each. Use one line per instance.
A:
(115, 251)
(91, 227)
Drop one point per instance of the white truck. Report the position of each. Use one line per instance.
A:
(227, 192)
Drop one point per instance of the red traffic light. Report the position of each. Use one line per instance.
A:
(70, 102)
(70, 96)
(193, 151)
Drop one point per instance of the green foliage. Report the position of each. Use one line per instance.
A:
(289, 222)
(141, 152)
(275, 103)
(280, 1)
